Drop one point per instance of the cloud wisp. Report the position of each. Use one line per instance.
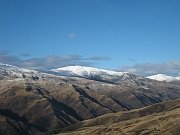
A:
(48, 62)
(72, 35)
(146, 69)
(53, 61)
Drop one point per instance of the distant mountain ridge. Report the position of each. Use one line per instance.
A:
(79, 71)
(92, 73)
(163, 77)
(105, 75)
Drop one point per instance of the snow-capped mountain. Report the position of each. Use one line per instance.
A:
(11, 72)
(15, 68)
(86, 71)
(97, 74)
(163, 77)
(15, 72)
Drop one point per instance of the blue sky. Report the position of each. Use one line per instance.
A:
(102, 33)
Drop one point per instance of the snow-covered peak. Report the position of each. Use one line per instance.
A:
(86, 71)
(15, 68)
(12, 72)
(162, 77)
(7, 65)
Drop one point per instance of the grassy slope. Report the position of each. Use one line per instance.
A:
(162, 118)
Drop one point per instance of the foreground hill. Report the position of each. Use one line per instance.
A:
(162, 118)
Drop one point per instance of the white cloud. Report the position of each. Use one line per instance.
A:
(147, 69)
(72, 35)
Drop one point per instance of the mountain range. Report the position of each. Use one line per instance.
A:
(101, 74)
(36, 102)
